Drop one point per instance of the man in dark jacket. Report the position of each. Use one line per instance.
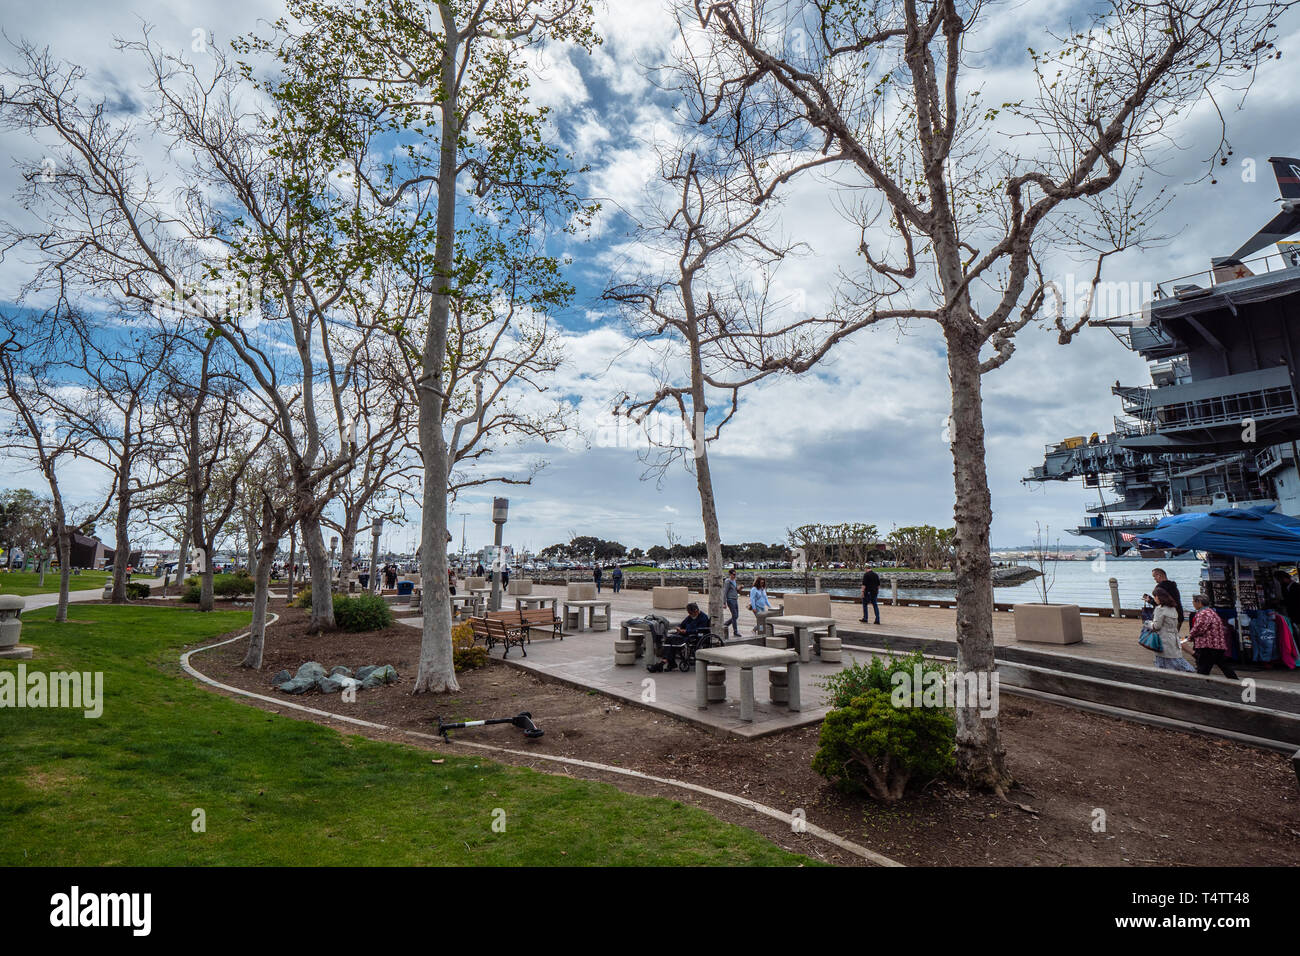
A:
(870, 591)
(1169, 587)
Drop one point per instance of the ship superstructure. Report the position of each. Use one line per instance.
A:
(1218, 425)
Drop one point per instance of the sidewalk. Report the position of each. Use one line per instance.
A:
(34, 601)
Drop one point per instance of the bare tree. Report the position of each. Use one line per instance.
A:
(39, 431)
(250, 250)
(708, 310)
(949, 187)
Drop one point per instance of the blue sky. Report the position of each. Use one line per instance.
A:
(862, 439)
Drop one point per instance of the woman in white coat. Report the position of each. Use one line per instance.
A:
(1165, 623)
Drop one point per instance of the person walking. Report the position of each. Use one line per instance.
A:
(1165, 621)
(1209, 639)
(870, 593)
(759, 602)
(451, 581)
(596, 576)
(731, 595)
(1169, 587)
(617, 577)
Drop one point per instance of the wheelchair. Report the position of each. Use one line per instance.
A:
(682, 656)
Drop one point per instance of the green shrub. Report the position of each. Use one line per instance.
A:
(191, 593)
(465, 654)
(303, 599)
(853, 681)
(873, 747)
(365, 612)
(138, 591)
(233, 585)
(192, 581)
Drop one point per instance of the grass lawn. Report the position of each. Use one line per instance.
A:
(121, 789)
(29, 582)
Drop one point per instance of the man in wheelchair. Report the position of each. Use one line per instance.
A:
(677, 650)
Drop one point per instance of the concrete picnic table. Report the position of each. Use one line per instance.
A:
(460, 601)
(590, 607)
(531, 601)
(746, 657)
(804, 627)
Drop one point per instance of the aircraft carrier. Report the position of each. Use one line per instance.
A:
(1218, 425)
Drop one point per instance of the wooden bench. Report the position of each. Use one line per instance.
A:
(542, 618)
(496, 629)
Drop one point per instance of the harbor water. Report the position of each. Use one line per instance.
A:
(1086, 583)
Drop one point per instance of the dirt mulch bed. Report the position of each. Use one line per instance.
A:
(1169, 798)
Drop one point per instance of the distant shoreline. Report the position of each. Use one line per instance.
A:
(778, 579)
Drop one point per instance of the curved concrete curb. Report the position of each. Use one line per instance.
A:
(752, 805)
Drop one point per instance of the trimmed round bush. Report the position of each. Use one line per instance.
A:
(303, 598)
(365, 612)
(875, 748)
(191, 593)
(137, 591)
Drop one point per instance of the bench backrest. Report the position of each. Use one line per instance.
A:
(538, 615)
(669, 598)
(810, 605)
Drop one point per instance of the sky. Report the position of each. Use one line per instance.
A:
(860, 439)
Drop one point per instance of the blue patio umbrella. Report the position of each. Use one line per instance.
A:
(1258, 533)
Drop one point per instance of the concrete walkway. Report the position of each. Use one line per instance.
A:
(34, 601)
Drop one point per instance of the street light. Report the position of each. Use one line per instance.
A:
(334, 544)
(499, 508)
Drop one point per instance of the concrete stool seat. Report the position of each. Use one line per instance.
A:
(832, 650)
(778, 685)
(717, 678)
(625, 652)
(778, 640)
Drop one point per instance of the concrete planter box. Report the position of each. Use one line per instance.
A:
(669, 599)
(1048, 623)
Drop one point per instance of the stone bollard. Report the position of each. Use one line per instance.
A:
(11, 627)
(893, 587)
(817, 584)
(1114, 596)
(663, 581)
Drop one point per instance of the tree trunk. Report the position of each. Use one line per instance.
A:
(65, 571)
(293, 556)
(181, 557)
(981, 761)
(347, 544)
(251, 534)
(318, 561)
(205, 577)
(437, 672)
(261, 598)
(121, 541)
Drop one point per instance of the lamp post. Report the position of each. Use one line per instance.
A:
(334, 544)
(376, 530)
(499, 508)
